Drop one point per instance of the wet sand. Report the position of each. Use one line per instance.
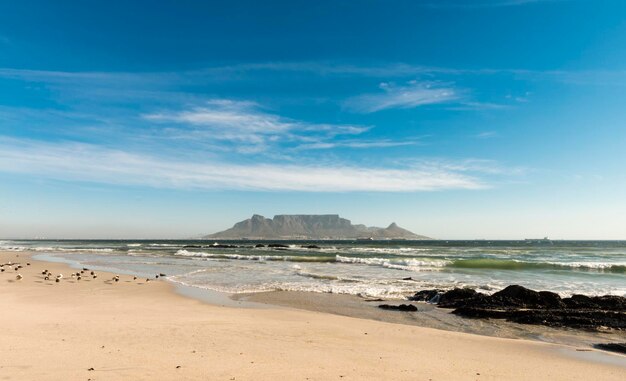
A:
(99, 329)
(429, 316)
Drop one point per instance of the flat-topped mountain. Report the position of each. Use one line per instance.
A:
(310, 226)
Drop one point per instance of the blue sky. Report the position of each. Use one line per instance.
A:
(456, 119)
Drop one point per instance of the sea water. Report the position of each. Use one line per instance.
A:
(388, 269)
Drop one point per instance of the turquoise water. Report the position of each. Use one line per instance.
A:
(391, 269)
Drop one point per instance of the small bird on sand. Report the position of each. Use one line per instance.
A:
(27, 263)
(19, 277)
(79, 278)
(95, 276)
(116, 278)
(45, 272)
(93, 273)
(46, 278)
(134, 278)
(157, 276)
(57, 280)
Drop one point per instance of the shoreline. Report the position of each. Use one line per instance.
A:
(116, 328)
(429, 315)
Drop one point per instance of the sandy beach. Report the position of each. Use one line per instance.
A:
(98, 329)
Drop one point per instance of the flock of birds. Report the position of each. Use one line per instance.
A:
(84, 273)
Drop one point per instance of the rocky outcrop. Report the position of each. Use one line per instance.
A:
(613, 347)
(328, 226)
(401, 307)
(522, 305)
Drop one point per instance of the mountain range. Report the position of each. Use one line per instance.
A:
(309, 226)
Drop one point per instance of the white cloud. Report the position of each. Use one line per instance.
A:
(414, 94)
(84, 162)
(384, 143)
(245, 122)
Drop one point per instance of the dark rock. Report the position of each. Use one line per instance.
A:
(613, 347)
(310, 247)
(431, 296)
(589, 320)
(192, 247)
(608, 302)
(408, 278)
(277, 245)
(401, 307)
(259, 245)
(457, 297)
(521, 305)
(518, 296)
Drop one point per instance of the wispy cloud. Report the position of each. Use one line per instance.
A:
(413, 94)
(382, 143)
(486, 134)
(243, 72)
(246, 123)
(84, 162)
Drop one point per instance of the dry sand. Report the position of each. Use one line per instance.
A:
(132, 330)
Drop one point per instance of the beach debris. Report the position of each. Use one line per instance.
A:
(401, 307)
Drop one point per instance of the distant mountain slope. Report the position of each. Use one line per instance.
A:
(309, 226)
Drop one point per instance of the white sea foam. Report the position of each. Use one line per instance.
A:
(287, 258)
(398, 264)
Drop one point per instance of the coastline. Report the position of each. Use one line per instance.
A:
(59, 331)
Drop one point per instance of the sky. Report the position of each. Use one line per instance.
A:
(486, 119)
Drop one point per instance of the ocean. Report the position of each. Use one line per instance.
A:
(385, 269)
